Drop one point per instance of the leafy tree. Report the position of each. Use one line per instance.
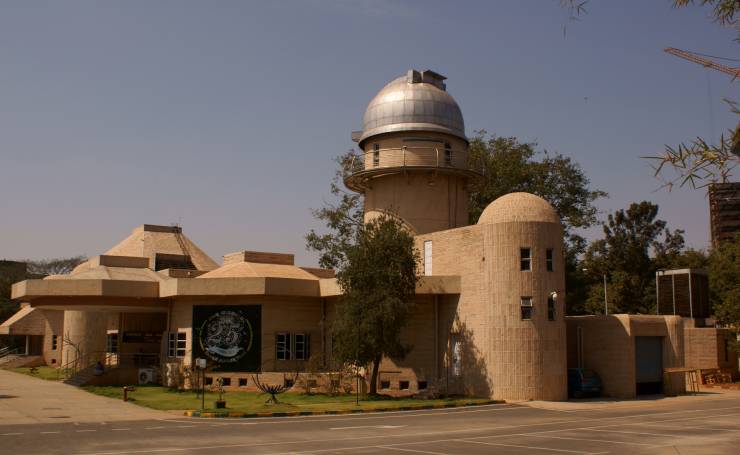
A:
(343, 218)
(378, 282)
(10, 272)
(724, 281)
(624, 256)
(510, 166)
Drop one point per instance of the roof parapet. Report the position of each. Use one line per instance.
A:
(259, 257)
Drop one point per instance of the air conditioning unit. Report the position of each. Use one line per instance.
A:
(146, 376)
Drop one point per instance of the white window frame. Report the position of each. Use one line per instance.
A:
(527, 258)
(282, 348)
(427, 258)
(177, 344)
(526, 302)
(54, 342)
(302, 352)
(111, 346)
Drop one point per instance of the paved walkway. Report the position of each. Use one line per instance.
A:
(27, 400)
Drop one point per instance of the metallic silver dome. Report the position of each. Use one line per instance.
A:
(414, 102)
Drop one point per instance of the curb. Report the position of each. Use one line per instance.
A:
(247, 415)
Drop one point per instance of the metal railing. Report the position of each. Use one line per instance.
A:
(6, 352)
(410, 156)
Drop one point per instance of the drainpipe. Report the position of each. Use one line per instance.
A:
(436, 337)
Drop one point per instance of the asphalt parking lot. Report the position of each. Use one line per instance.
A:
(709, 423)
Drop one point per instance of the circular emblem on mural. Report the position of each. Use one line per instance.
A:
(226, 336)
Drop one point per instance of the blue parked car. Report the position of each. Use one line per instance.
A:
(583, 383)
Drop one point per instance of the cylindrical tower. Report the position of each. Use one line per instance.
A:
(84, 335)
(414, 160)
(525, 298)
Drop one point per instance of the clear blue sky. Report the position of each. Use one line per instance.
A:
(224, 116)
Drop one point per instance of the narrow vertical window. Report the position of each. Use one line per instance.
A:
(526, 308)
(376, 155)
(54, 342)
(448, 154)
(525, 259)
(548, 259)
(550, 308)
(301, 343)
(111, 343)
(282, 346)
(428, 257)
(456, 348)
(176, 344)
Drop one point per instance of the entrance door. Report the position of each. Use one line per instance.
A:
(649, 365)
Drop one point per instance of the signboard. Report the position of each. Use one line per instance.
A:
(229, 336)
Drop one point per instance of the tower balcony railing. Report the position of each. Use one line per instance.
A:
(361, 167)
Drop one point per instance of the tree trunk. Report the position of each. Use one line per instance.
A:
(374, 376)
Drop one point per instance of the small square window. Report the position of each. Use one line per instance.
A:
(311, 383)
(548, 259)
(209, 380)
(422, 385)
(242, 382)
(550, 308)
(226, 382)
(385, 384)
(525, 259)
(288, 383)
(526, 308)
(403, 385)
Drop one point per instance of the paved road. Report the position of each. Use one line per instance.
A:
(685, 425)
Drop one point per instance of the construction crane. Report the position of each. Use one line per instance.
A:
(734, 72)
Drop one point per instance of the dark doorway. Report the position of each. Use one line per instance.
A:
(649, 365)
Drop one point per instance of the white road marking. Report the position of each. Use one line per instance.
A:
(383, 427)
(120, 429)
(364, 416)
(437, 433)
(635, 432)
(154, 428)
(185, 426)
(50, 432)
(84, 431)
(411, 450)
(586, 439)
(524, 447)
(10, 434)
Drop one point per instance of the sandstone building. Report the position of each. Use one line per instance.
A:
(489, 318)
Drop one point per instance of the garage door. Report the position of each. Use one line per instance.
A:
(649, 365)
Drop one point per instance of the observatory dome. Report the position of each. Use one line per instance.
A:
(417, 101)
(520, 207)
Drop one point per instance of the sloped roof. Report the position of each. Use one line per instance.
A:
(147, 240)
(27, 321)
(259, 270)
